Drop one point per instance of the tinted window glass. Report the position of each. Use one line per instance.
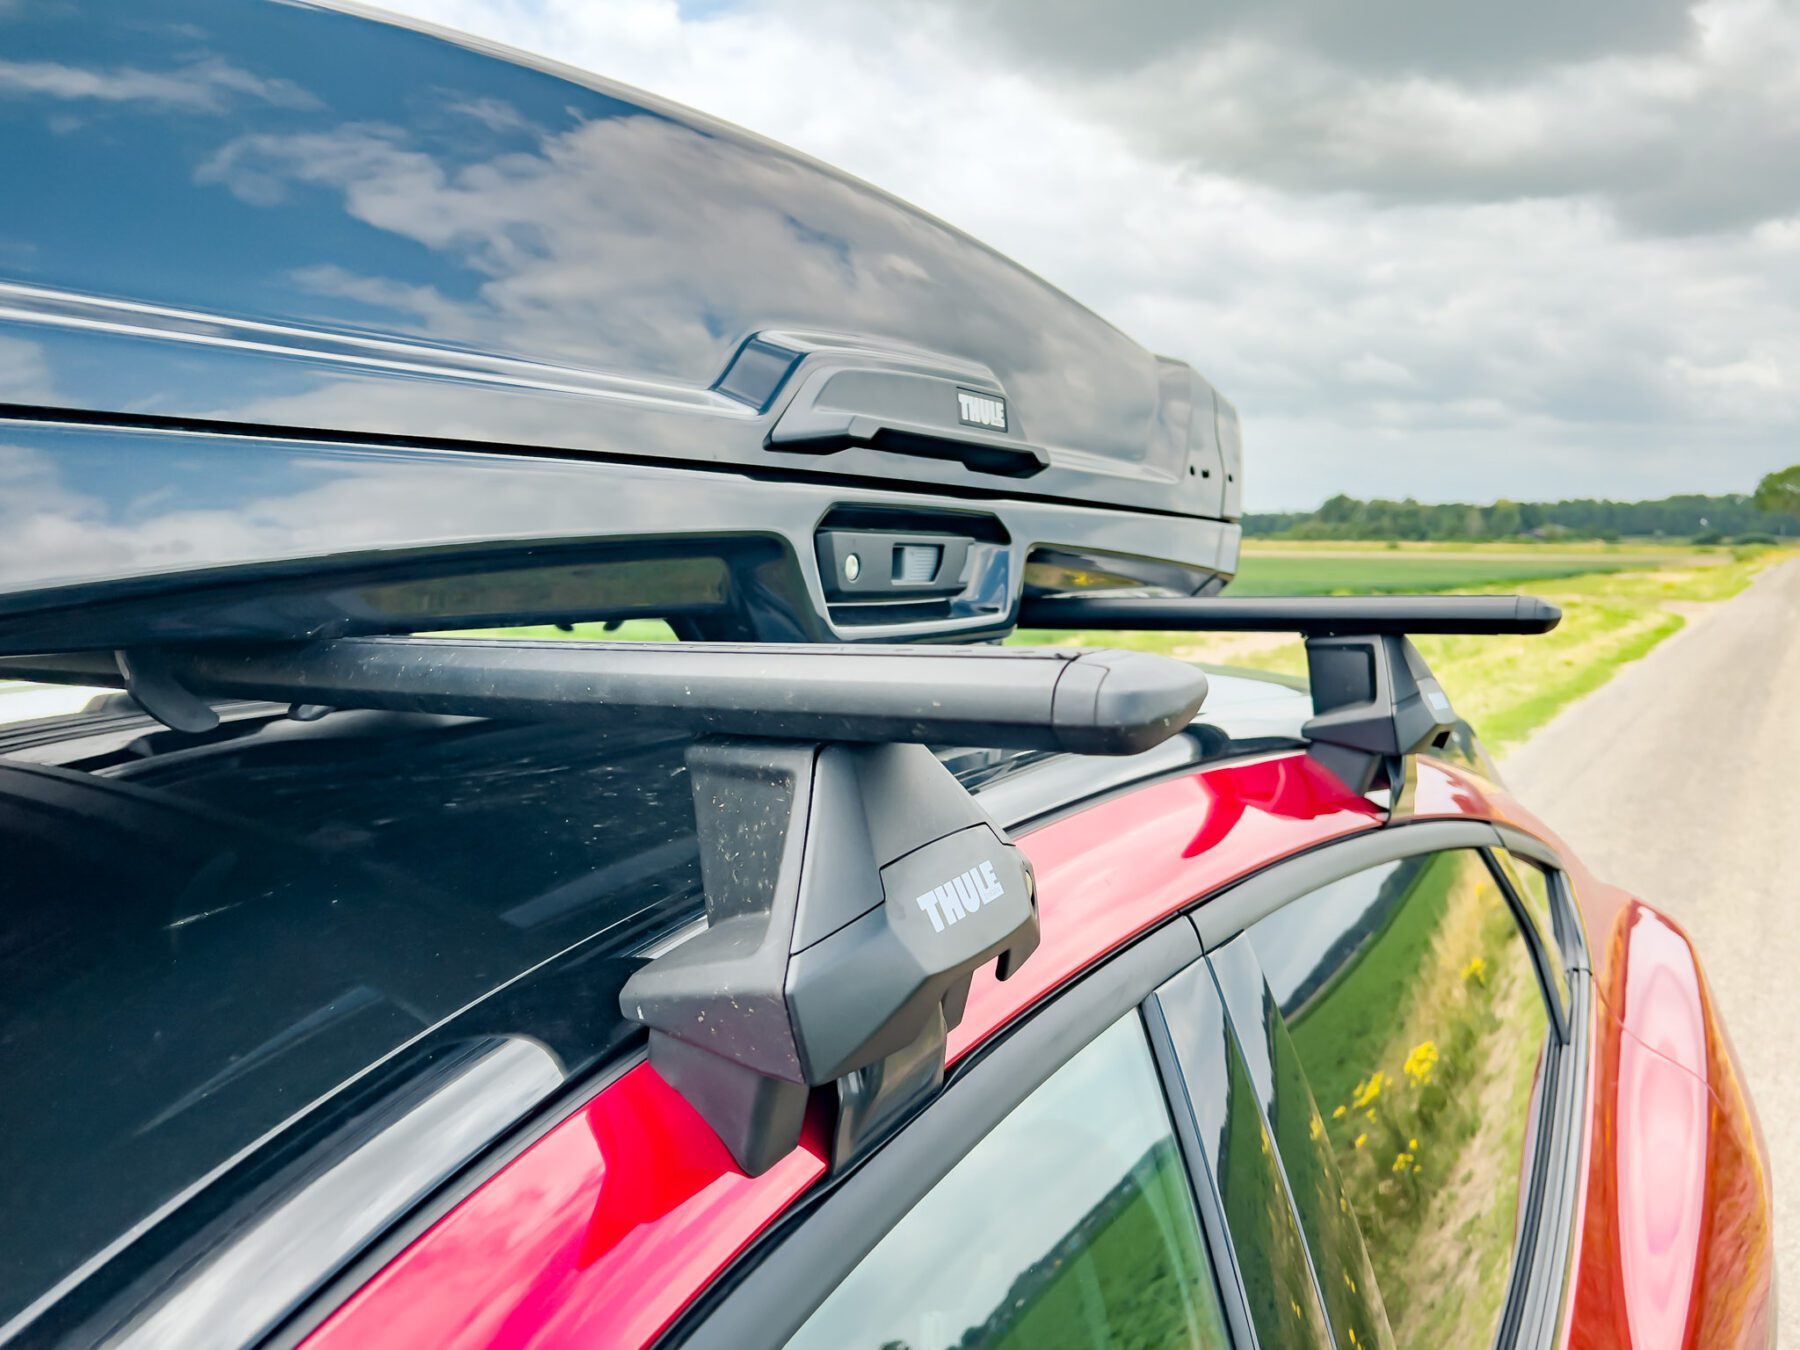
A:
(198, 942)
(1346, 1278)
(1267, 1245)
(1070, 1225)
(1532, 885)
(1416, 1010)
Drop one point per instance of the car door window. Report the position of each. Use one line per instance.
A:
(1415, 1006)
(1071, 1224)
(1268, 1248)
(1346, 1279)
(1533, 885)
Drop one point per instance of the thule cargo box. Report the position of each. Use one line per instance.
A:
(298, 287)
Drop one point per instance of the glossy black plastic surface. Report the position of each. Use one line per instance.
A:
(114, 536)
(280, 216)
(206, 935)
(1028, 698)
(1324, 616)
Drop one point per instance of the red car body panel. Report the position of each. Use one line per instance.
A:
(604, 1229)
(597, 1234)
(1677, 1243)
(1123, 865)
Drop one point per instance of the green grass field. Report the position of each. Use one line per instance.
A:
(1380, 573)
(1430, 1149)
(1140, 1269)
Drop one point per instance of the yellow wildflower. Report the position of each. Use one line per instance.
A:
(1421, 1062)
(1361, 1139)
(1476, 970)
(1315, 1127)
(1339, 1113)
(1369, 1091)
(1402, 1161)
(1412, 1143)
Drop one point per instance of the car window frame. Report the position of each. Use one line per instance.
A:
(776, 1286)
(1202, 1059)
(1235, 972)
(1537, 1299)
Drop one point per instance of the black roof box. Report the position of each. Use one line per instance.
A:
(299, 220)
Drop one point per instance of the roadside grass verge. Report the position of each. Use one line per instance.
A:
(1381, 573)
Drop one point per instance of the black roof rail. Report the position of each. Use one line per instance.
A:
(852, 885)
(1375, 701)
(1399, 615)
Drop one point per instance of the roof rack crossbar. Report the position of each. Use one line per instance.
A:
(1369, 615)
(1086, 702)
(1375, 701)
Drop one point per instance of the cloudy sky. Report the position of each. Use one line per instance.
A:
(1445, 250)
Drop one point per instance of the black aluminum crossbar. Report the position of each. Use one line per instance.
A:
(1324, 616)
(1088, 702)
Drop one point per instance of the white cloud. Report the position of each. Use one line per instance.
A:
(1563, 274)
(1378, 370)
(24, 374)
(203, 85)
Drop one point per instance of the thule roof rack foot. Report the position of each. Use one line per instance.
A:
(851, 893)
(1375, 701)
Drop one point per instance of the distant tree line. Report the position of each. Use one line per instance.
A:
(1730, 518)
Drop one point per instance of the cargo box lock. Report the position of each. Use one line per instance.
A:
(851, 893)
(870, 566)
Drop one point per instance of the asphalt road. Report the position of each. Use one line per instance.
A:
(1680, 781)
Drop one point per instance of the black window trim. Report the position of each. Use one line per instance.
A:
(1537, 1294)
(1237, 908)
(1178, 1087)
(1264, 1099)
(1541, 958)
(339, 1286)
(1565, 912)
(778, 1283)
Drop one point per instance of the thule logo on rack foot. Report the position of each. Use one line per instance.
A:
(961, 896)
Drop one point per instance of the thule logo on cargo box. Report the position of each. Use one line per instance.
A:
(980, 410)
(961, 896)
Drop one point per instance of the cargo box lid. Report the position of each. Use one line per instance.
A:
(290, 217)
